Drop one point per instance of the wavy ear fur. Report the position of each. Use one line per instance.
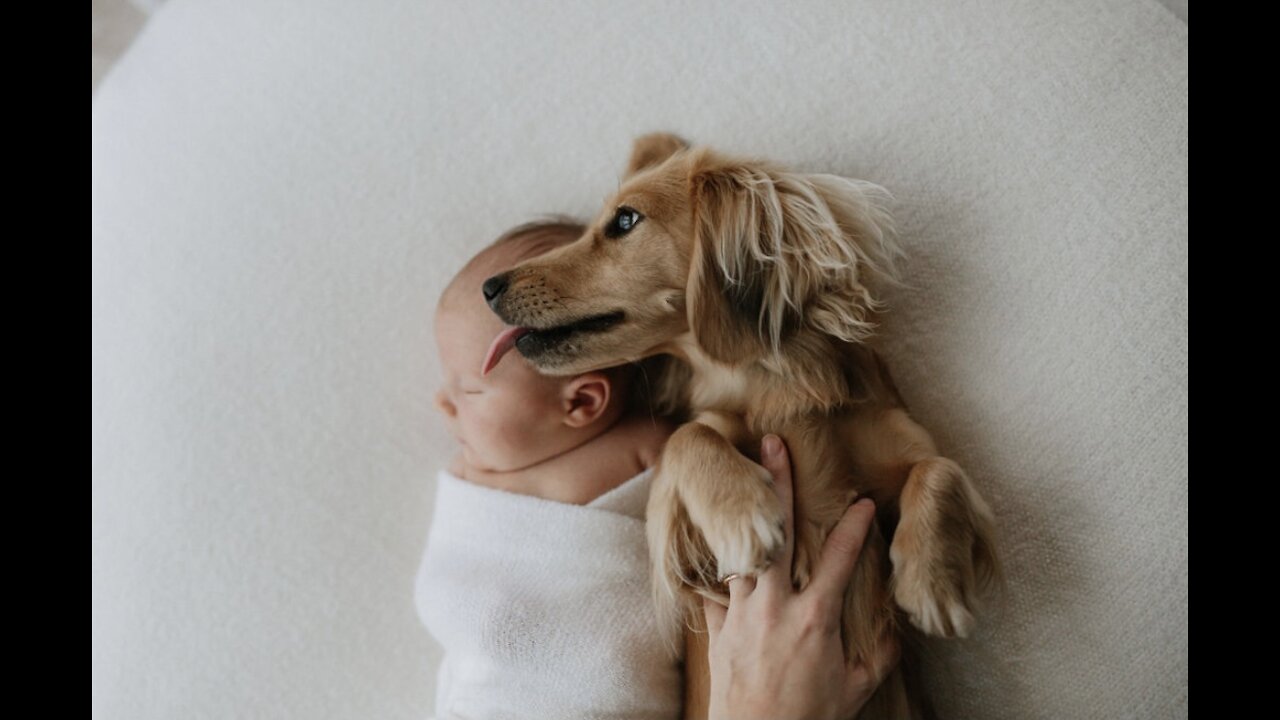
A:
(775, 251)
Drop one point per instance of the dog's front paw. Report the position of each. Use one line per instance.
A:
(745, 531)
(943, 551)
(936, 604)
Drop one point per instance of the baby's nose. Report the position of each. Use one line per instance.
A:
(444, 405)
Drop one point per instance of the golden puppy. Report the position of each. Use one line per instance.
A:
(756, 282)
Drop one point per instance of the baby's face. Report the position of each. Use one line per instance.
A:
(505, 419)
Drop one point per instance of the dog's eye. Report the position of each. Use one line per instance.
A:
(622, 223)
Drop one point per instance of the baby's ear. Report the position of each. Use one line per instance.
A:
(652, 149)
(585, 398)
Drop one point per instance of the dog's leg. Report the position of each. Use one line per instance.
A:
(943, 549)
(697, 670)
(712, 512)
(943, 552)
(729, 498)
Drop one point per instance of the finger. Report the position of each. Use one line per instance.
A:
(841, 550)
(773, 455)
(740, 586)
(715, 614)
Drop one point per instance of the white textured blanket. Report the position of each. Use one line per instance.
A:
(543, 607)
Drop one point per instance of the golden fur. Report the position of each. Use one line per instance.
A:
(748, 289)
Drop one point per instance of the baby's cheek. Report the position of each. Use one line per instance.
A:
(518, 429)
(523, 427)
(504, 428)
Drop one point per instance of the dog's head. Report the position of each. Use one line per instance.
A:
(736, 256)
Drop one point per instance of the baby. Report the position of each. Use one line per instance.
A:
(535, 575)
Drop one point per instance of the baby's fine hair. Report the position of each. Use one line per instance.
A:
(532, 238)
(554, 229)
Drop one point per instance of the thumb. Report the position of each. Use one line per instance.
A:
(841, 549)
(715, 613)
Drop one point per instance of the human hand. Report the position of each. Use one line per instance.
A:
(775, 653)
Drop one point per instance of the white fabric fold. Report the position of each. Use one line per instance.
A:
(542, 607)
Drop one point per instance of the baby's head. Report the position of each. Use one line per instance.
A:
(512, 417)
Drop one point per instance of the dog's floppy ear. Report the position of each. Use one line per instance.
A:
(850, 238)
(775, 250)
(726, 292)
(652, 149)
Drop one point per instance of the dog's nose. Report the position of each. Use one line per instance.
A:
(493, 288)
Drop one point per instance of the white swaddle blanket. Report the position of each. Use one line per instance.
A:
(543, 608)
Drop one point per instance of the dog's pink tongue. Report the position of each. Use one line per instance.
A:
(501, 344)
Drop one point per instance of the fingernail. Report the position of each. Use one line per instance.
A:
(864, 500)
(772, 446)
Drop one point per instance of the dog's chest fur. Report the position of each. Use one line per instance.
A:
(726, 389)
(767, 398)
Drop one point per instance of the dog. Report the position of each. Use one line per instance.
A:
(752, 287)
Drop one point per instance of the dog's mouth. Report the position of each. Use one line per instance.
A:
(533, 342)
